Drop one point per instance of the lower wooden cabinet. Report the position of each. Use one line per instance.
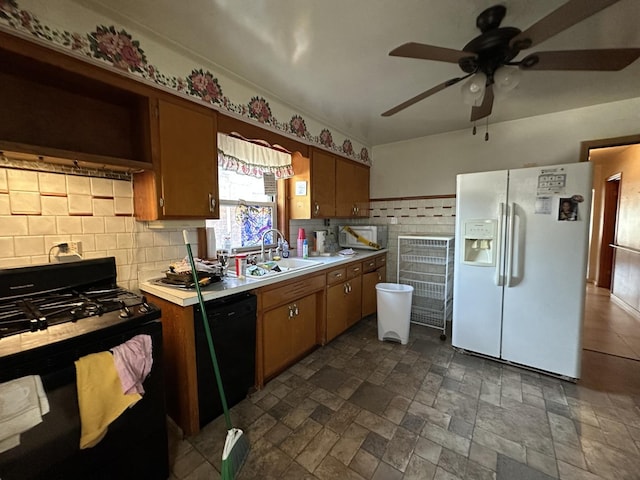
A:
(375, 271)
(344, 299)
(288, 332)
(290, 319)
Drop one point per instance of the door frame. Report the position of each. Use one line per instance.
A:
(608, 230)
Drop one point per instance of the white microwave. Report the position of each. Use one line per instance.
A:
(369, 237)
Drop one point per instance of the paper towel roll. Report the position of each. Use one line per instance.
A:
(211, 242)
(321, 240)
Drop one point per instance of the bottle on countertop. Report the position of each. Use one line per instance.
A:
(285, 249)
(305, 249)
(301, 238)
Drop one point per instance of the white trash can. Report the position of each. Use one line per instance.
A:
(394, 311)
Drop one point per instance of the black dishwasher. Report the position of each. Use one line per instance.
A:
(232, 321)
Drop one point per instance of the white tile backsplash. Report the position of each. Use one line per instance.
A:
(80, 204)
(32, 245)
(54, 205)
(15, 224)
(69, 225)
(5, 207)
(4, 186)
(103, 207)
(122, 188)
(52, 183)
(114, 225)
(24, 203)
(69, 210)
(101, 187)
(6, 247)
(106, 241)
(92, 225)
(78, 185)
(41, 225)
(23, 180)
(123, 205)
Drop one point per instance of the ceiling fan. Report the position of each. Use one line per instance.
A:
(485, 57)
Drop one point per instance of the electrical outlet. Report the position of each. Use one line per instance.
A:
(68, 251)
(74, 248)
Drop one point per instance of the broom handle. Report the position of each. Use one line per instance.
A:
(207, 331)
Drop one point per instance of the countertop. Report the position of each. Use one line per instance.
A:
(231, 285)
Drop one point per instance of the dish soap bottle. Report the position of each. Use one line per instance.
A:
(305, 249)
(285, 249)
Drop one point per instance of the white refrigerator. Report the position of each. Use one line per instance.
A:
(520, 265)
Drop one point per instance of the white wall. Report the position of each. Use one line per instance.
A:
(428, 165)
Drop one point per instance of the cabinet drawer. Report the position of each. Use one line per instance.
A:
(353, 270)
(337, 275)
(369, 265)
(381, 261)
(291, 291)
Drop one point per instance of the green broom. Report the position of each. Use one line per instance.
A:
(236, 446)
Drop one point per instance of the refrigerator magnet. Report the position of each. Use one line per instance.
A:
(567, 210)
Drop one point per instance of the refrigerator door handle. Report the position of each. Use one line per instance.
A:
(499, 280)
(511, 228)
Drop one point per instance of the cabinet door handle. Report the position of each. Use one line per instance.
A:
(290, 311)
(379, 277)
(295, 310)
(212, 203)
(338, 275)
(316, 209)
(357, 269)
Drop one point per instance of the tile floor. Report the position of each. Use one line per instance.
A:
(361, 409)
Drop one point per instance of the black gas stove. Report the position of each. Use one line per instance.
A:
(51, 316)
(45, 304)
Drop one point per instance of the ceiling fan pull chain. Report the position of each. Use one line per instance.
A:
(486, 133)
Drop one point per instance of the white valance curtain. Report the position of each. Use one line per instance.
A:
(253, 157)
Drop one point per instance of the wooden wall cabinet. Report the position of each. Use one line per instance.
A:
(184, 181)
(352, 189)
(374, 272)
(67, 111)
(289, 321)
(344, 298)
(319, 197)
(335, 187)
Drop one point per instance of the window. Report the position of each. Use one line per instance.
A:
(245, 212)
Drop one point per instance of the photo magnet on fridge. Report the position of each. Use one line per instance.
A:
(568, 210)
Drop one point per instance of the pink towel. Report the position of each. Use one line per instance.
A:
(133, 362)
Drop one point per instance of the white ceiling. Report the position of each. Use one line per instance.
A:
(329, 58)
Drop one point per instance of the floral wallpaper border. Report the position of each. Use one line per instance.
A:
(119, 49)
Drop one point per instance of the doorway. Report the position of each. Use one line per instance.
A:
(609, 226)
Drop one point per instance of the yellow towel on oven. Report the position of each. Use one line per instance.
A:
(100, 396)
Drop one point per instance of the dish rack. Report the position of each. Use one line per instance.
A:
(426, 263)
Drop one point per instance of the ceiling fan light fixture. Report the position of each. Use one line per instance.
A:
(473, 89)
(506, 78)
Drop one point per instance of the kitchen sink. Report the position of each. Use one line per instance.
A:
(269, 269)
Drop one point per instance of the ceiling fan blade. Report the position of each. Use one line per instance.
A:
(560, 19)
(484, 110)
(429, 52)
(608, 59)
(423, 95)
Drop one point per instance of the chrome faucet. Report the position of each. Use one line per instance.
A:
(262, 241)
